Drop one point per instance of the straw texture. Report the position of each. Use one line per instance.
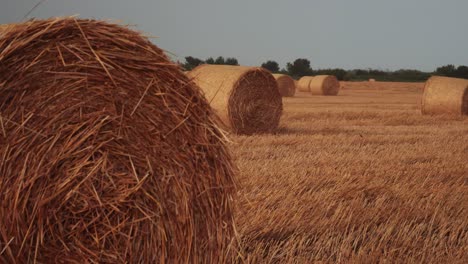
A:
(4, 28)
(286, 85)
(303, 84)
(324, 85)
(443, 95)
(108, 153)
(246, 98)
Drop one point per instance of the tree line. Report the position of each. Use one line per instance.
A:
(192, 62)
(302, 67)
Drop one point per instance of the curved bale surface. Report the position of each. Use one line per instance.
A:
(246, 98)
(444, 95)
(303, 84)
(286, 85)
(324, 85)
(109, 152)
(4, 28)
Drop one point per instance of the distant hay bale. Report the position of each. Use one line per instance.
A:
(286, 85)
(443, 95)
(371, 80)
(109, 152)
(246, 98)
(303, 84)
(324, 85)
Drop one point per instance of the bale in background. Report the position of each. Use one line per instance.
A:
(109, 152)
(324, 85)
(246, 98)
(286, 85)
(303, 84)
(371, 80)
(443, 95)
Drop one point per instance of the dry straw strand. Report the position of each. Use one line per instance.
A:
(246, 98)
(444, 95)
(4, 28)
(126, 163)
(324, 85)
(286, 85)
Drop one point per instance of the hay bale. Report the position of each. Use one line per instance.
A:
(286, 85)
(109, 152)
(371, 80)
(324, 85)
(303, 84)
(4, 28)
(246, 98)
(443, 95)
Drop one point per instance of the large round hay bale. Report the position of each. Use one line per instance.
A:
(246, 98)
(286, 85)
(324, 85)
(109, 152)
(303, 84)
(3, 28)
(444, 95)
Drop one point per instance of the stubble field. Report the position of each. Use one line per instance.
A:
(361, 177)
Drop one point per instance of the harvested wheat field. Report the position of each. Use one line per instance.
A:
(360, 177)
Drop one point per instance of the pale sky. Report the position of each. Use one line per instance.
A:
(381, 34)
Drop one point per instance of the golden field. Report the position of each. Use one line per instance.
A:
(360, 177)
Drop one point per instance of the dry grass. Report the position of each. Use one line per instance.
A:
(360, 177)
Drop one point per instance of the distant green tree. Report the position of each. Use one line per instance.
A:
(283, 71)
(271, 65)
(405, 75)
(299, 68)
(462, 72)
(191, 62)
(447, 70)
(210, 60)
(231, 61)
(220, 61)
(339, 73)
